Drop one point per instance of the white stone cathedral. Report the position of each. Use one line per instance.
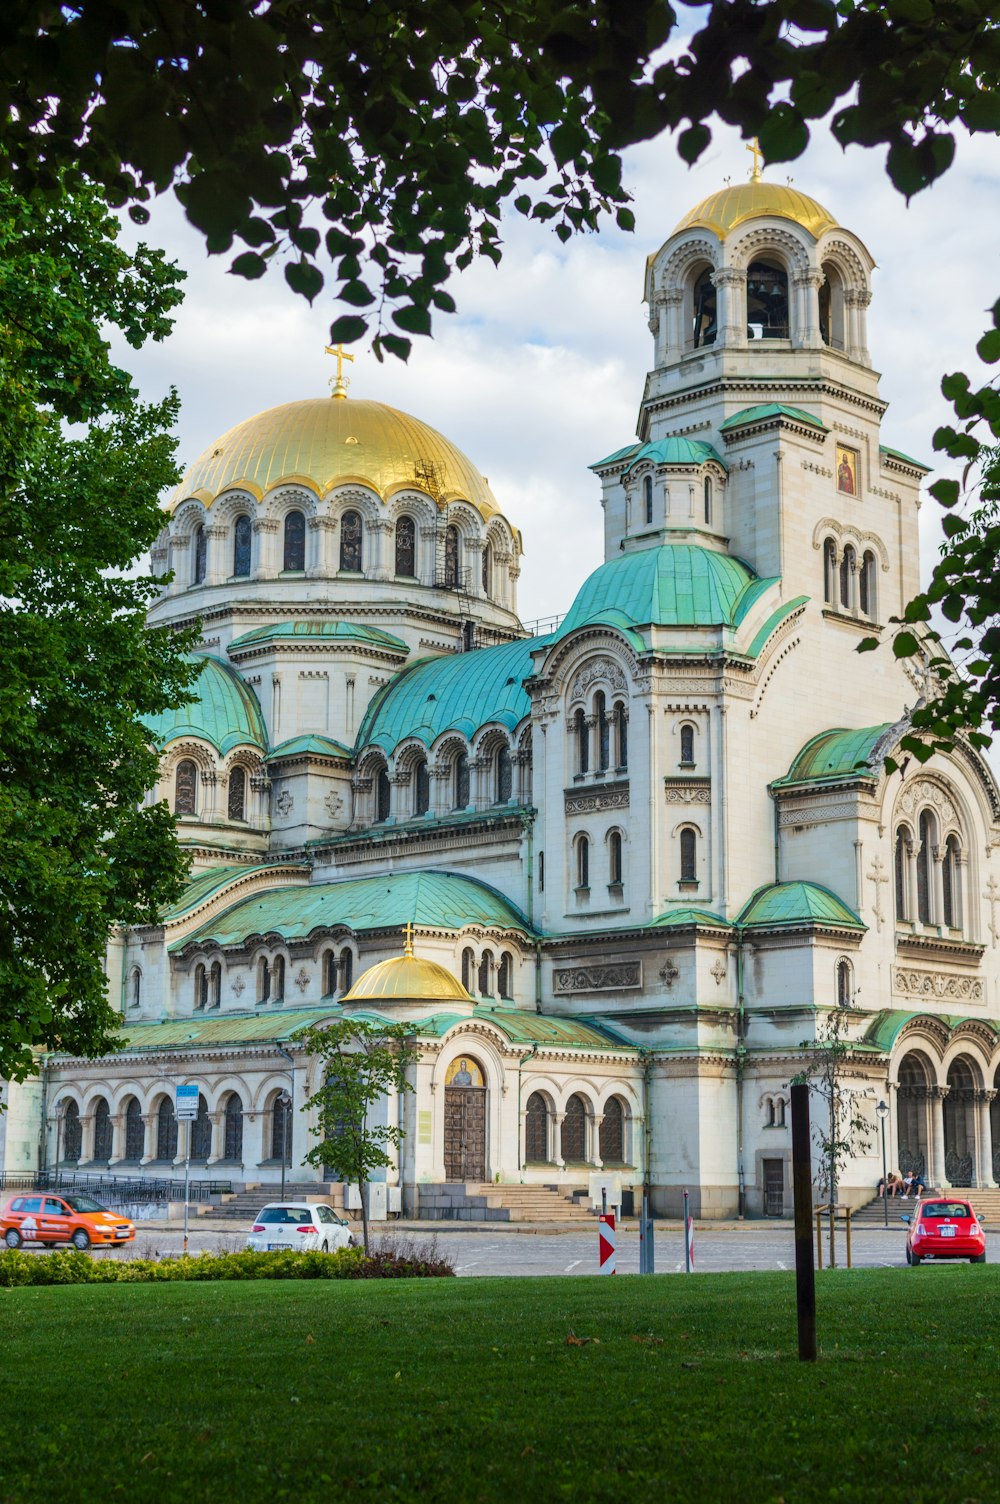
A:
(644, 856)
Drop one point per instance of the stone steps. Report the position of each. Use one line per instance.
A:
(986, 1203)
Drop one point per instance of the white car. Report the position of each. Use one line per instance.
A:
(303, 1227)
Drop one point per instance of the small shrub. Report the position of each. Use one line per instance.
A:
(71, 1268)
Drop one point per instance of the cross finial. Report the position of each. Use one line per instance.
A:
(758, 157)
(408, 932)
(340, 354)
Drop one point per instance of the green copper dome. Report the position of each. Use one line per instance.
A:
(777, 905)
(836, 754)
(673, 450)
(224, 711)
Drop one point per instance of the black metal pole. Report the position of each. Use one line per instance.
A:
(805, 1274)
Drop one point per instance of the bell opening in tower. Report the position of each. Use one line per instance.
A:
(767, 301)
(705, 320)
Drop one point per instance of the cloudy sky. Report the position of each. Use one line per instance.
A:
(541, 370)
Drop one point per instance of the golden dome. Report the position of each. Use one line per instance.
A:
(730, 207)
(407, 978)
(320, 443)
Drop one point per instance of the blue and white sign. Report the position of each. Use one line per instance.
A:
(187, 1101)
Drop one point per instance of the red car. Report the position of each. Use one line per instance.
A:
(942, 1228)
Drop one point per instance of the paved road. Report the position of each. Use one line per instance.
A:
(754, 1246)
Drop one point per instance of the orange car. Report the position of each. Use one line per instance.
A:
(75, 1219)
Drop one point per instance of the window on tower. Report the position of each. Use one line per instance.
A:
(767, 300)
(406, 548)
(294, 557)
(689, 855)
(451, 556)
(242, 534)
(705, 322)
(186, 788)
(351, 540)
(200, 556)
(647, 499)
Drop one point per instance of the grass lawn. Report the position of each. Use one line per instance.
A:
(468, 1389)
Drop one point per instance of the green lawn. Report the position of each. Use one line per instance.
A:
(468, 1389)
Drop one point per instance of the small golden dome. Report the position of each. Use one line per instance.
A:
(407, 979)
(320, 443)
(729, 207)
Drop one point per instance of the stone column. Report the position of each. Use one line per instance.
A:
(218, 566)
(672, 324)
(440, 789)
(731, 304)
(936, 1170)
(149, 1120)
(379, 540)
(265, 530)
(180, 557)
(218, 1120)
(86, 1138)
(984, 1139)
(321, 535)
(425, 562)
(557, 1122)
(117, 1137)
(937, 885)
(256, 1136)
(805, 335)
(595, 1143)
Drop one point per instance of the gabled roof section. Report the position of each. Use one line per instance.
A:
(224, 711)
(763, 411)
(837, 754)
(302, 746)
(905, 459)
(204, 884)
(780, 905)
(521, 1027)
(619, 456)
(685, 917)
(461, 692)
(435, 900)
(320, 631)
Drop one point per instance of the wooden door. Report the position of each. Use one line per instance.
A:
(774, 1188)
(465, 1133)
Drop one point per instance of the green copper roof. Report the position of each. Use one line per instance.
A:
(886, 1026)
(299, 746)
(224, 711)
(222, 1029)
(617, 456)
(345, 631)
(440, 900)
(674, 585)
(779, 904)
(771, 410)
(204, 884)
(775, 620)
(520, 1027)
(458, 693)
(676, 451)
(897, 454)
(835, 754)
(687, 916)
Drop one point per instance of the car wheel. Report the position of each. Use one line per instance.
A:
(909, 1257)
(12, 1238)
(978, 1258)
(916, 1258)
(80, 1240)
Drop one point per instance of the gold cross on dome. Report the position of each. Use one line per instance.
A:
(758, 157)
(340, 354)
(408, 932)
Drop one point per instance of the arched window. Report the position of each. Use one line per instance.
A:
(461, 782)
(621, 739)
(687, 746)
(615, 859)
(200, 561)
(351, 542)
(406, 547)
(705, 325)
(689, 855)
(901, 874)
(573, 1145)
(779, 1113)
(346, 969)
(242, 538)
(541, 872)
(238, 794)
(468, 967)
(486, 974)
(135, 1132)
(830, 572)
(581, 732)
(200, 987)
(233, 1151)
(925, 870)
(383, 795)
(768, 1112)
(502, 776)
(278, 975)
(950, 885)
(848, 564)
(215, 985)
(329, 973)
(831, 309)
(135, 997)
(421, 788)
(72, 1133)
(263, 980)
(536, 1130)
(102, 1132)
(488, 570)
(767, 300)
(294, 556)
(708, 502)
(866, 585)
(582, 862)
(166, 1132)
(186, 788)
(647, 499)
(504, 971)
(603, 733)
(844, 987)
(452, 555)
(611, 1138)
(201, 1133)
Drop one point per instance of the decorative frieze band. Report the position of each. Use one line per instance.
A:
(687, 790)
(597, 800)
(597, 978)
(937, 984)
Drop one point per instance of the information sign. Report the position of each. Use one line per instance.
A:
(187, 1102)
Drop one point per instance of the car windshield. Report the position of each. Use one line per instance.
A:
(936, 1209)
(284, 1214)
(84, 1204)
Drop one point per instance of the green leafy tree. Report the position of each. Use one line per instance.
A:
(78, 852)
(842, 1130)
(360, 1064)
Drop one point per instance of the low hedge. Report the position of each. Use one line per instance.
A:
(72, 1268)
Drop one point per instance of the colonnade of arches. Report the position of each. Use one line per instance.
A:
(947, 1119)
(577, 1132)
(212, 789)
(850, 578)
(455, 776)
(928, 872)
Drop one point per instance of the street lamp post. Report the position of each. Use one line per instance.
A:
(882, 1111)
(284, 1101)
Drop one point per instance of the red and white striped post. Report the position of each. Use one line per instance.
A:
(608, 1244)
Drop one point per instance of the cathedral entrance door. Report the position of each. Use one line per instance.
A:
(465, 1121)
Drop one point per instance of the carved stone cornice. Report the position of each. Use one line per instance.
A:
(937, 985)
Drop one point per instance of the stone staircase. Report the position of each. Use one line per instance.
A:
(485, 1202)
(985, 1202)
(245, 1205)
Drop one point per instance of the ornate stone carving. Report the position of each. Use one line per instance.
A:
(991, 895)
(719, 972)
(594, 670)
(687, 791)
(333, 804)
(877, 876)
(284, 803)
(937, 984)
(585, 804)
(668, 973)
(239, 985)
(923, 791)
(817, 814)
(597, 978)
(302, 979)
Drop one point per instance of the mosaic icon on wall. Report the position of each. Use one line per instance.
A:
(464, 1072)
(847, 471)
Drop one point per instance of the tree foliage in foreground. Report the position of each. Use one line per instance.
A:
(384, 139)
(360, 1064)
(78, 503)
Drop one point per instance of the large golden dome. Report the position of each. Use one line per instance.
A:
(322, 442)
(407, 978)
(729, 207)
